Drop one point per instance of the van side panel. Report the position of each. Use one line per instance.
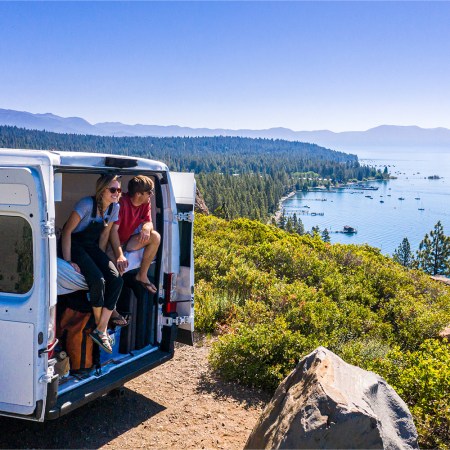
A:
(16, 369)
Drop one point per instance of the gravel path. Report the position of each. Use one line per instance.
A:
(177, 405)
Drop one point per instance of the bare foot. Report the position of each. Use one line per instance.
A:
(145, 282)
(118, 320)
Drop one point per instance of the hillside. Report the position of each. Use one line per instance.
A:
(275, 296)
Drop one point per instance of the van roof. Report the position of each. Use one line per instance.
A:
(78, 159)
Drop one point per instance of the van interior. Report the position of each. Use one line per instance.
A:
(76, 358)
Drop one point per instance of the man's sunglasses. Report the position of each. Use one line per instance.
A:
(113, 190)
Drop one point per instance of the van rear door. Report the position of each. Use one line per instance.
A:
(24, 288)
(184, 187)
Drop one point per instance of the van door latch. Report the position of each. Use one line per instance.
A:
(168, 321)
(48, 377)
(185, 217)
(48, 229)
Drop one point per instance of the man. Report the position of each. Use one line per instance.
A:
(134, 228)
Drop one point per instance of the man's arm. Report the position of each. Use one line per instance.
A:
(146, 231)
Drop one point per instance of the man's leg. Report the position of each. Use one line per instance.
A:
(150, 250)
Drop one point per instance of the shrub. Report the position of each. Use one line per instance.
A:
(422, 379)
(259, 356)
(212, 308)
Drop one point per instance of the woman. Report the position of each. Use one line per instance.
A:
(84, 239)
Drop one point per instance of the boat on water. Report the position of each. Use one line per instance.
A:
(381, 201)
(349, 230)
(416, 198)
(401, 198)
(421, 209)
(363, 187)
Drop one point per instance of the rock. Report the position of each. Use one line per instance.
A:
(441, 279)
(445, 333)
(200, 205)
(327, 403)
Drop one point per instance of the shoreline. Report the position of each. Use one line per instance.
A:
(279, 211)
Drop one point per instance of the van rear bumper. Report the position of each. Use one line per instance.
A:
(82, 395)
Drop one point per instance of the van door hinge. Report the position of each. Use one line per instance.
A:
(48, 229)
(168, 321)
(185, 217)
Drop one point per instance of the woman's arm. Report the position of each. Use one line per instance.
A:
(104, 237)
(66, 238)
(121, 261)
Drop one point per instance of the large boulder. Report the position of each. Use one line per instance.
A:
(327, 403)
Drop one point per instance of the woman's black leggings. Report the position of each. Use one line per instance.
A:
(102, 276)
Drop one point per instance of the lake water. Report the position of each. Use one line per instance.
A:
(383, 220)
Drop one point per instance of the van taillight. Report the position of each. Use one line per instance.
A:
(51, 335)
(170, 280)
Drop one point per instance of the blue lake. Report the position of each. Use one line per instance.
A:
(383, 220)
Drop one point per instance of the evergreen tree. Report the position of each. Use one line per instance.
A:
(326, 235)
(433, 256)
(300, 227)
(282, 221)
(290, 225)
(403, 254)
(294, 221)
(315, 231)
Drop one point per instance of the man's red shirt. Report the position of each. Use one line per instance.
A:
(130, 217)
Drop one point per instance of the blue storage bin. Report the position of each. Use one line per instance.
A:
(115, 355)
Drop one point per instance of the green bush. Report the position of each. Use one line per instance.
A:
(259, 356)
(212, 307)
(422, 379)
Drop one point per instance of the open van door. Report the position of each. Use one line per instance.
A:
(184, 188)
(24, 284)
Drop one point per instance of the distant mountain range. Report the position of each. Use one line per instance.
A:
(382, 136)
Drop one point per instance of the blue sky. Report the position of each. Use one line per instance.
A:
(302, 65)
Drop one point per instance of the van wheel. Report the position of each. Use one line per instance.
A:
(118, 392)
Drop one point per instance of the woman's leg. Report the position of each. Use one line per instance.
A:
(113, 285)
(94, 278)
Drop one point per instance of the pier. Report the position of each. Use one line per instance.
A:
(304, 212)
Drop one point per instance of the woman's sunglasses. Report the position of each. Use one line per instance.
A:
(113, 190)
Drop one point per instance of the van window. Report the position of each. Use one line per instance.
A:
(16, 250)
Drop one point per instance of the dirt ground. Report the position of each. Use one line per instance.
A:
(179, 405)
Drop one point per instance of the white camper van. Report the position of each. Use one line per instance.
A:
(38, 190)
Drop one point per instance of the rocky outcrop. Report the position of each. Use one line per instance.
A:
(327, 403)
(200, 205)
(441, 279)
(445, 333)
